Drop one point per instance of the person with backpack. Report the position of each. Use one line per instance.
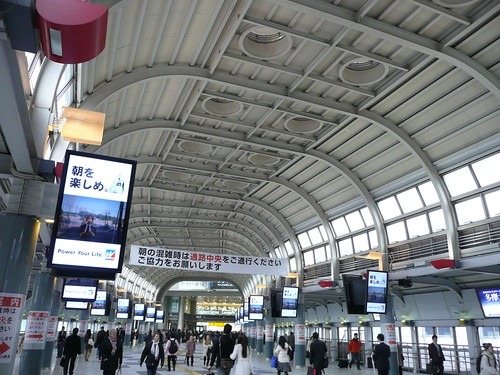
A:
(487, 363)
(171, 349)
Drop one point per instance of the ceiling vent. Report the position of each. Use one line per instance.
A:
(361, 71)
(172, 175)
(235, 184)
(263, 159)
(302, 125)
(221, 107)
(195, 148)
(455, 3)
(265, 43)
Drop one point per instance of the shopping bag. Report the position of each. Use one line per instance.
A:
(274, 361)
(311, 371)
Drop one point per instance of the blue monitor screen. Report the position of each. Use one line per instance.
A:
(489, 299)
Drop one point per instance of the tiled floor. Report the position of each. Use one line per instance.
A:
(131, 366)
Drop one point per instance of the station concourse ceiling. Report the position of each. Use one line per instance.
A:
(252, 121)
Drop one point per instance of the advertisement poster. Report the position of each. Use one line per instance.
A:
(259, 332)
(269, 331)
(83, 325)
(11, 306)
(36, 327)
(390, 336)
(301, 334)
(51, 329)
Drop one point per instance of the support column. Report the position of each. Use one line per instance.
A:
(180, 322)
(128, 323)
(253, 335)
(300, 336)
(18, 236)
(369, 347)
(389, 330)
(54, 318)
(259, 334)
(474, 344)
(83, 325)
(269, 332)
(41, 301)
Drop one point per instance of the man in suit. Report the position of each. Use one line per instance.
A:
(436, 356)
(317, 354)
(381, 356)
(72, 348)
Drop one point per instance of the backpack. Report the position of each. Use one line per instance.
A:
(478, 363)
(172, 349)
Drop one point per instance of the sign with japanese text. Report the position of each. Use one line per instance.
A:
(91, 218)
(10, 320)
(301, 333)
(260, 332)
(51, 329)
(269, 332)
(36, 328)
(206, 262)
(390, 335)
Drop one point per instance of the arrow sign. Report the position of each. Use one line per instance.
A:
(39, 336)
(4, 347)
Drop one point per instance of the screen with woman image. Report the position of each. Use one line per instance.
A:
(289, 302)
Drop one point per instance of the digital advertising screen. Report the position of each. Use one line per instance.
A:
(245, 311)
(150, 314)
(139, 311)
(91, 218)
(76, 289)
(123, 308)
(159, 316)
(100, 305)
(256, 307)
(355, 293)
(76, 305)
(241, 315)
(376, 291)
(489, 299)
(289, 302)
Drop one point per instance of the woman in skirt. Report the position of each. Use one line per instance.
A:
(281, 352)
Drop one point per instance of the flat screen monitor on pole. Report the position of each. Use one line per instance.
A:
(256, 307)
(355, 293)
(123, 308)
(101, 305)
(289, 302)
(78, 289)
(376, 292)
(139, 311)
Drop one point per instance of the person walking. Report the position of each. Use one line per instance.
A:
(190, 349)
(317, 353)
(171, 349)
(88, 344)
(101, 335)
(281, 351)
(291, 344)
(207, 348)
(111, 353)
(226, 347)
(381, 356)
(61, 340)
(436, 356)
(153, 354)
(72, 348)
(489, 364)
(355, 350)
(242, 358)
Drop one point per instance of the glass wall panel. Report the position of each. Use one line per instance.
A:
(460, 181)
(428, 193)
(469, 211)
(417, 226)
(389, 208)
(487, 171)
(409, 200)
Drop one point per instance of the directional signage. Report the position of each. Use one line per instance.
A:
(11, 306)
(36, 328)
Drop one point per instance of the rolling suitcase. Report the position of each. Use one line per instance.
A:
(343, 363)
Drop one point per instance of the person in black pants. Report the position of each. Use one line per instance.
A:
(61, 340)
(72, 348)
(317, 353)
(381, 356)
(436, 356)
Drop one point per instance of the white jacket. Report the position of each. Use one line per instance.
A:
(282, 354)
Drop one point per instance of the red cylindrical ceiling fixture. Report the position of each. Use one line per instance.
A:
(325, 283)
(71, 31)
(443, 263)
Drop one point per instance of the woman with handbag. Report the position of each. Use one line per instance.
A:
(153, 355)
(281, 352)
(89, 344)
(111, 353)
(242, 358)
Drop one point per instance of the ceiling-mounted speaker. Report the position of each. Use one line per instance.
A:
(20, 19)
(405, 283)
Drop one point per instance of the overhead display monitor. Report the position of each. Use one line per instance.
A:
(489, 299)
(159, 316)
(139, 311)
(241, 315)
(355, 293)
(91, 218)
(76, 305)
(123, 308)
(245, 311)
(150, 314)
(100, 307)
(256, 307)
(276, 297)
(289, 302)
(77, 289)
(376, 292)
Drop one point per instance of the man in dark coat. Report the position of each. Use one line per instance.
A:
(381, 356)
(61, 340)
(99, 340)
(436, 356)
(153, 349)
(72, 348)
(317, 353)
(226, 345)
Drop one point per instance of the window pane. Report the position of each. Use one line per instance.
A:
(361, 242)
(293, 264)
(409, 200)
(320, 254)
(345, 247)
(470, 211)
(428, 193)
(396, 232)
(437, 220)
(373, 239)
(389, 208)
(493, 203)
(315, 236)
(367, 216)
(460, 181)
(417, 226)
(340, 226)
(304, 240)
(308, 258)
(354, 221)
(487, 171)
(288, 248)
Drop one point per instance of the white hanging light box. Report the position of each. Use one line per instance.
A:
(82, 126)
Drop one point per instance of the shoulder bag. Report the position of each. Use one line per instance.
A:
(225, 363)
